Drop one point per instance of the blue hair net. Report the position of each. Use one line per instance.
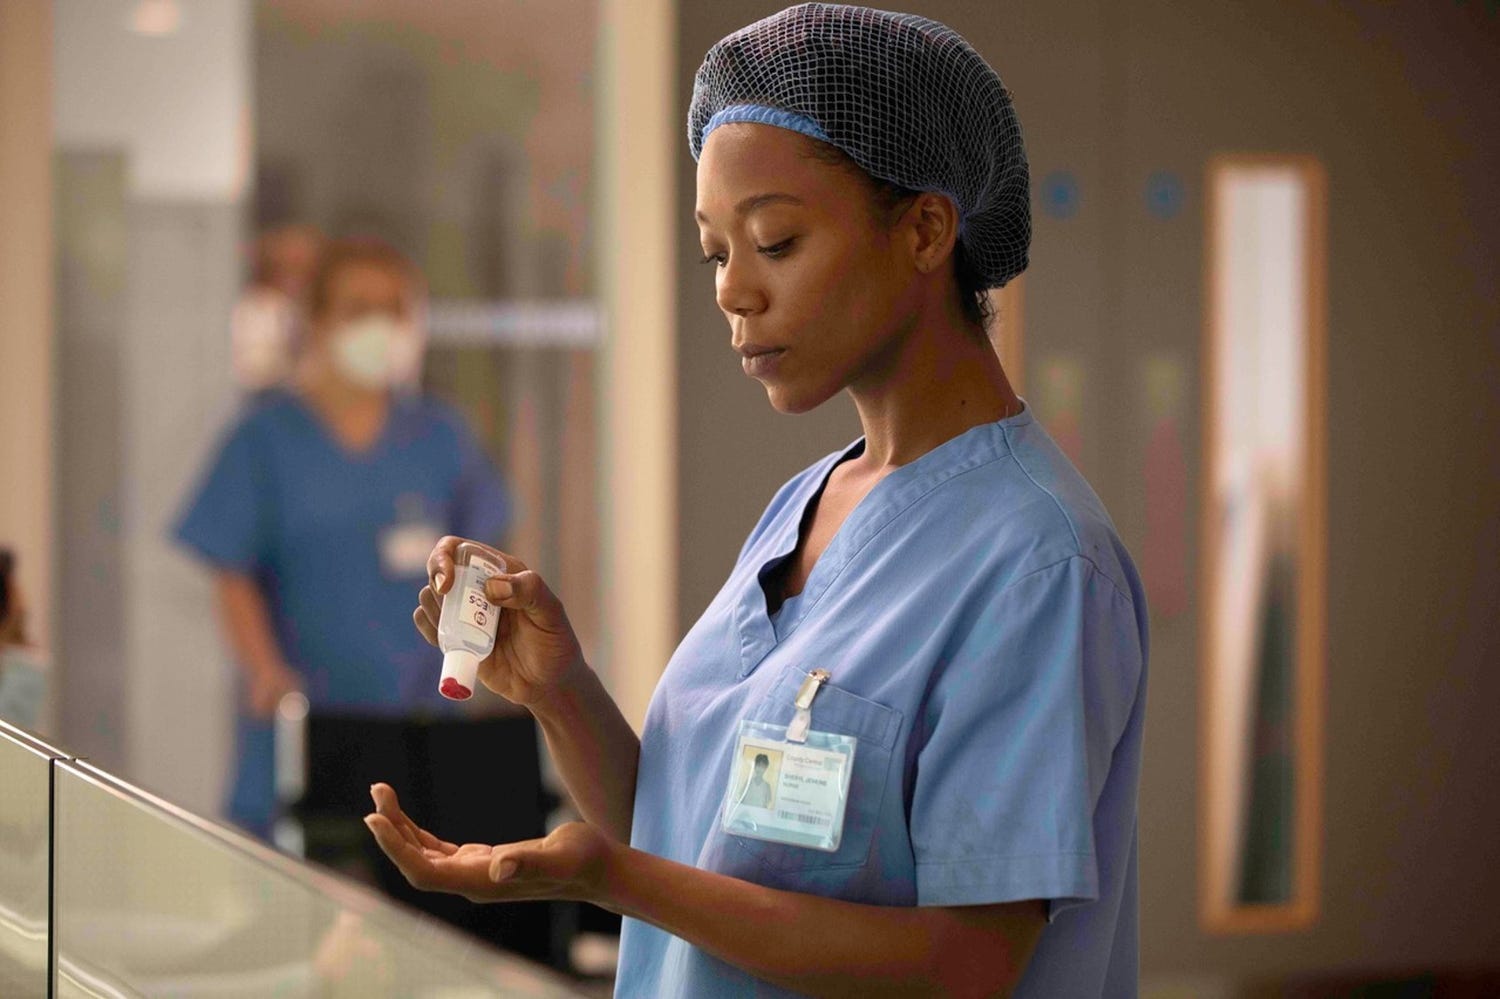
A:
(905, 97)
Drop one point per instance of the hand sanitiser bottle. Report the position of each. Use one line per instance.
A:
(467, 622)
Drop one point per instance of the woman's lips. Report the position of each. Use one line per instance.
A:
(760, 362)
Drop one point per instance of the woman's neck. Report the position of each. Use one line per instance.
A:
(937, 381)
(355, 415)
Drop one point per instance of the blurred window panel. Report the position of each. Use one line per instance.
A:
(1263, 545)
(464, 133)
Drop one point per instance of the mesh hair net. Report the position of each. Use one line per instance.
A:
(905, 97)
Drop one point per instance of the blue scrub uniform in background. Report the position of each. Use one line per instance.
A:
(338, 542)
(985, 632)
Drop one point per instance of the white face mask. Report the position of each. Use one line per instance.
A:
(263, 338)
(376, 351)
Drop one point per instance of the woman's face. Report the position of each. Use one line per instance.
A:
(362, 289)
(818, 292)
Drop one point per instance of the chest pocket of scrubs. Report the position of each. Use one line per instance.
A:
(840, 712)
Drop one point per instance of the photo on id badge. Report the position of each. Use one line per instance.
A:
(759, 770)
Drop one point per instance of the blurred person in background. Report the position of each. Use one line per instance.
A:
(23, 681)
(316, 517)
(266, 326)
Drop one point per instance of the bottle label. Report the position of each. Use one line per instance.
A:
(475, 609)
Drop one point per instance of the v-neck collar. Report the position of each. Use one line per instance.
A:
(887, 499)
(330, 438)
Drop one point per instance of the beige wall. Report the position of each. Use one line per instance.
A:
(638, 378)
(1391, 98)
(1385, 95)
(26, 299)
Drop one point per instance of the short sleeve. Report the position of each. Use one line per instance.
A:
(483, 503)
(225, 521)
(1017, 739)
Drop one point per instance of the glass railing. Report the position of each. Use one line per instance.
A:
(25, 844)
(146, 899)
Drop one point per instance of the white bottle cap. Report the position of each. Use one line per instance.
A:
(460, 668)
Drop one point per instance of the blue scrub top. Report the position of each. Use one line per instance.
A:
(335, 540)
(986, 634)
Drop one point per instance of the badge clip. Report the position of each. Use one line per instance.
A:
(802, 720)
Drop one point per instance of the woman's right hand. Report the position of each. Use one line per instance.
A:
(536, 651)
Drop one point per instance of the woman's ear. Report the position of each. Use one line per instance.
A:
(934, 228)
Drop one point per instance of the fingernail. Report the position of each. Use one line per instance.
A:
(438, 580)
(505, 870)
(370, 822)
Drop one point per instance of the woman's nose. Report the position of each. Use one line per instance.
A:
(737, 292)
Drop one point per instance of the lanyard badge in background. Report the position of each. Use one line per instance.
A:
(406, 543)
(790, 783)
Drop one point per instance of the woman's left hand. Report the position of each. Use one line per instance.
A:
(568, 863)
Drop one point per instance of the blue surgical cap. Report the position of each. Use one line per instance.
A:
(905, 97)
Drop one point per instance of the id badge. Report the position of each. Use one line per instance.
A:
(405, 544)
(790, 783)
(404, 548)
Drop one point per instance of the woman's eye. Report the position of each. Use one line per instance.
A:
(776, 249)
(717, 259)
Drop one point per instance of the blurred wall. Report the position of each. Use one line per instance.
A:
(26, 320)
(1123, 103)
(152, 153)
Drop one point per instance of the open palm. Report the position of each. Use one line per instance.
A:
(566, 864)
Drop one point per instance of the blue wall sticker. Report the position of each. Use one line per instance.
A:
(1164, 194)
(1060, 194)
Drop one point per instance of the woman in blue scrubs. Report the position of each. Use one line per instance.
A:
(317, 514)
(933, 637)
